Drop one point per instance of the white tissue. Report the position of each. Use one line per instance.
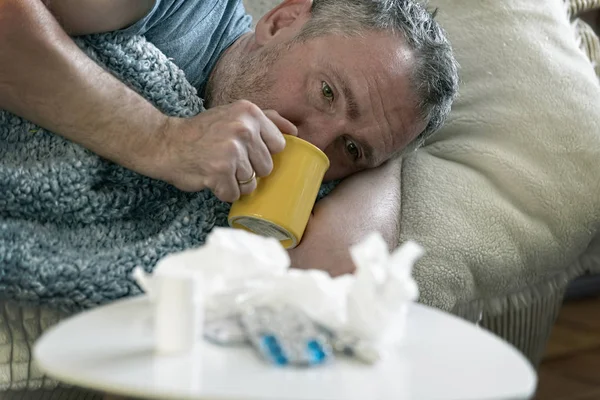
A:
(233, 254)
(382, 290)
(232, 265)
(231, 260)
(240, 269)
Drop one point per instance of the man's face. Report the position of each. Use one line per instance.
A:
(350, 97)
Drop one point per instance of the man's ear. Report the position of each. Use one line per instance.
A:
(287, 15)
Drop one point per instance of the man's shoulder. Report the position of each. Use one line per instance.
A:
(176, 18)
(172, 19)
(194, 33)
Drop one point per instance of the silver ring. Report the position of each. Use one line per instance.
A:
(248, 180)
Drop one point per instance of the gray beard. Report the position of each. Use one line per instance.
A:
(246, 77)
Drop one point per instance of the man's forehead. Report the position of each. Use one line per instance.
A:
(375, 46)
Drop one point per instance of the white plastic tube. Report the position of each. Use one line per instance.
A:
(179, 311)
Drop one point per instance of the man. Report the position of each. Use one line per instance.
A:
(361, 79)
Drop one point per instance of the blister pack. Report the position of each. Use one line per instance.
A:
(286, 336)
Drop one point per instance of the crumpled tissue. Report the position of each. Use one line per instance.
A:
(383, 287)
(239, 269)
(232, 264)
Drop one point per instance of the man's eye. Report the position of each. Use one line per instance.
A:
(327, 91)
(352, 149)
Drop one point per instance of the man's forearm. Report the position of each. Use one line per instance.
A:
(363, 203)
(45, 78)
(370, 202)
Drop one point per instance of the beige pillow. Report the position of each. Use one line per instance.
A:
(507, 195)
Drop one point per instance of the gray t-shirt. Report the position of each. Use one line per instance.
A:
(193, 33)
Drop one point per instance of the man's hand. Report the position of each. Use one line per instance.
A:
(366, 202)
(220, 147)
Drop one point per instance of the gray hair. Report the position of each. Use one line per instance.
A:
(435, 74)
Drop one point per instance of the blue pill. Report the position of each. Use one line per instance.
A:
(314, 345)
(274, 351)
(281, 360)
(268, 340)
(316, 353)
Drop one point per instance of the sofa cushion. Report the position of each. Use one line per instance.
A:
(507, 195)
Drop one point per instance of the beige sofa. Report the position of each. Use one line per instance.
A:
(506, 198)
(527, 129)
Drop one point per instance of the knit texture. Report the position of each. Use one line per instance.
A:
(73, 225)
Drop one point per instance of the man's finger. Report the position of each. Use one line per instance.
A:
(271, 135)
(246, 176)
(244, 171)
(249, 187)
(282, 124)
(227, 189)
(260, 158)
(254, 157)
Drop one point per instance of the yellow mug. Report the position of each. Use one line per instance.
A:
(282, 202)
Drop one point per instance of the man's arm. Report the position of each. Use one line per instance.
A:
(366, 202)
(47, 79)
(81, 17)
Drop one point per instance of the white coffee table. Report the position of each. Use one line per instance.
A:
(110, 349)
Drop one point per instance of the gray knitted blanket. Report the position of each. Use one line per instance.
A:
(73, 225)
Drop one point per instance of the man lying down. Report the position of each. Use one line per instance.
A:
(363, 80)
